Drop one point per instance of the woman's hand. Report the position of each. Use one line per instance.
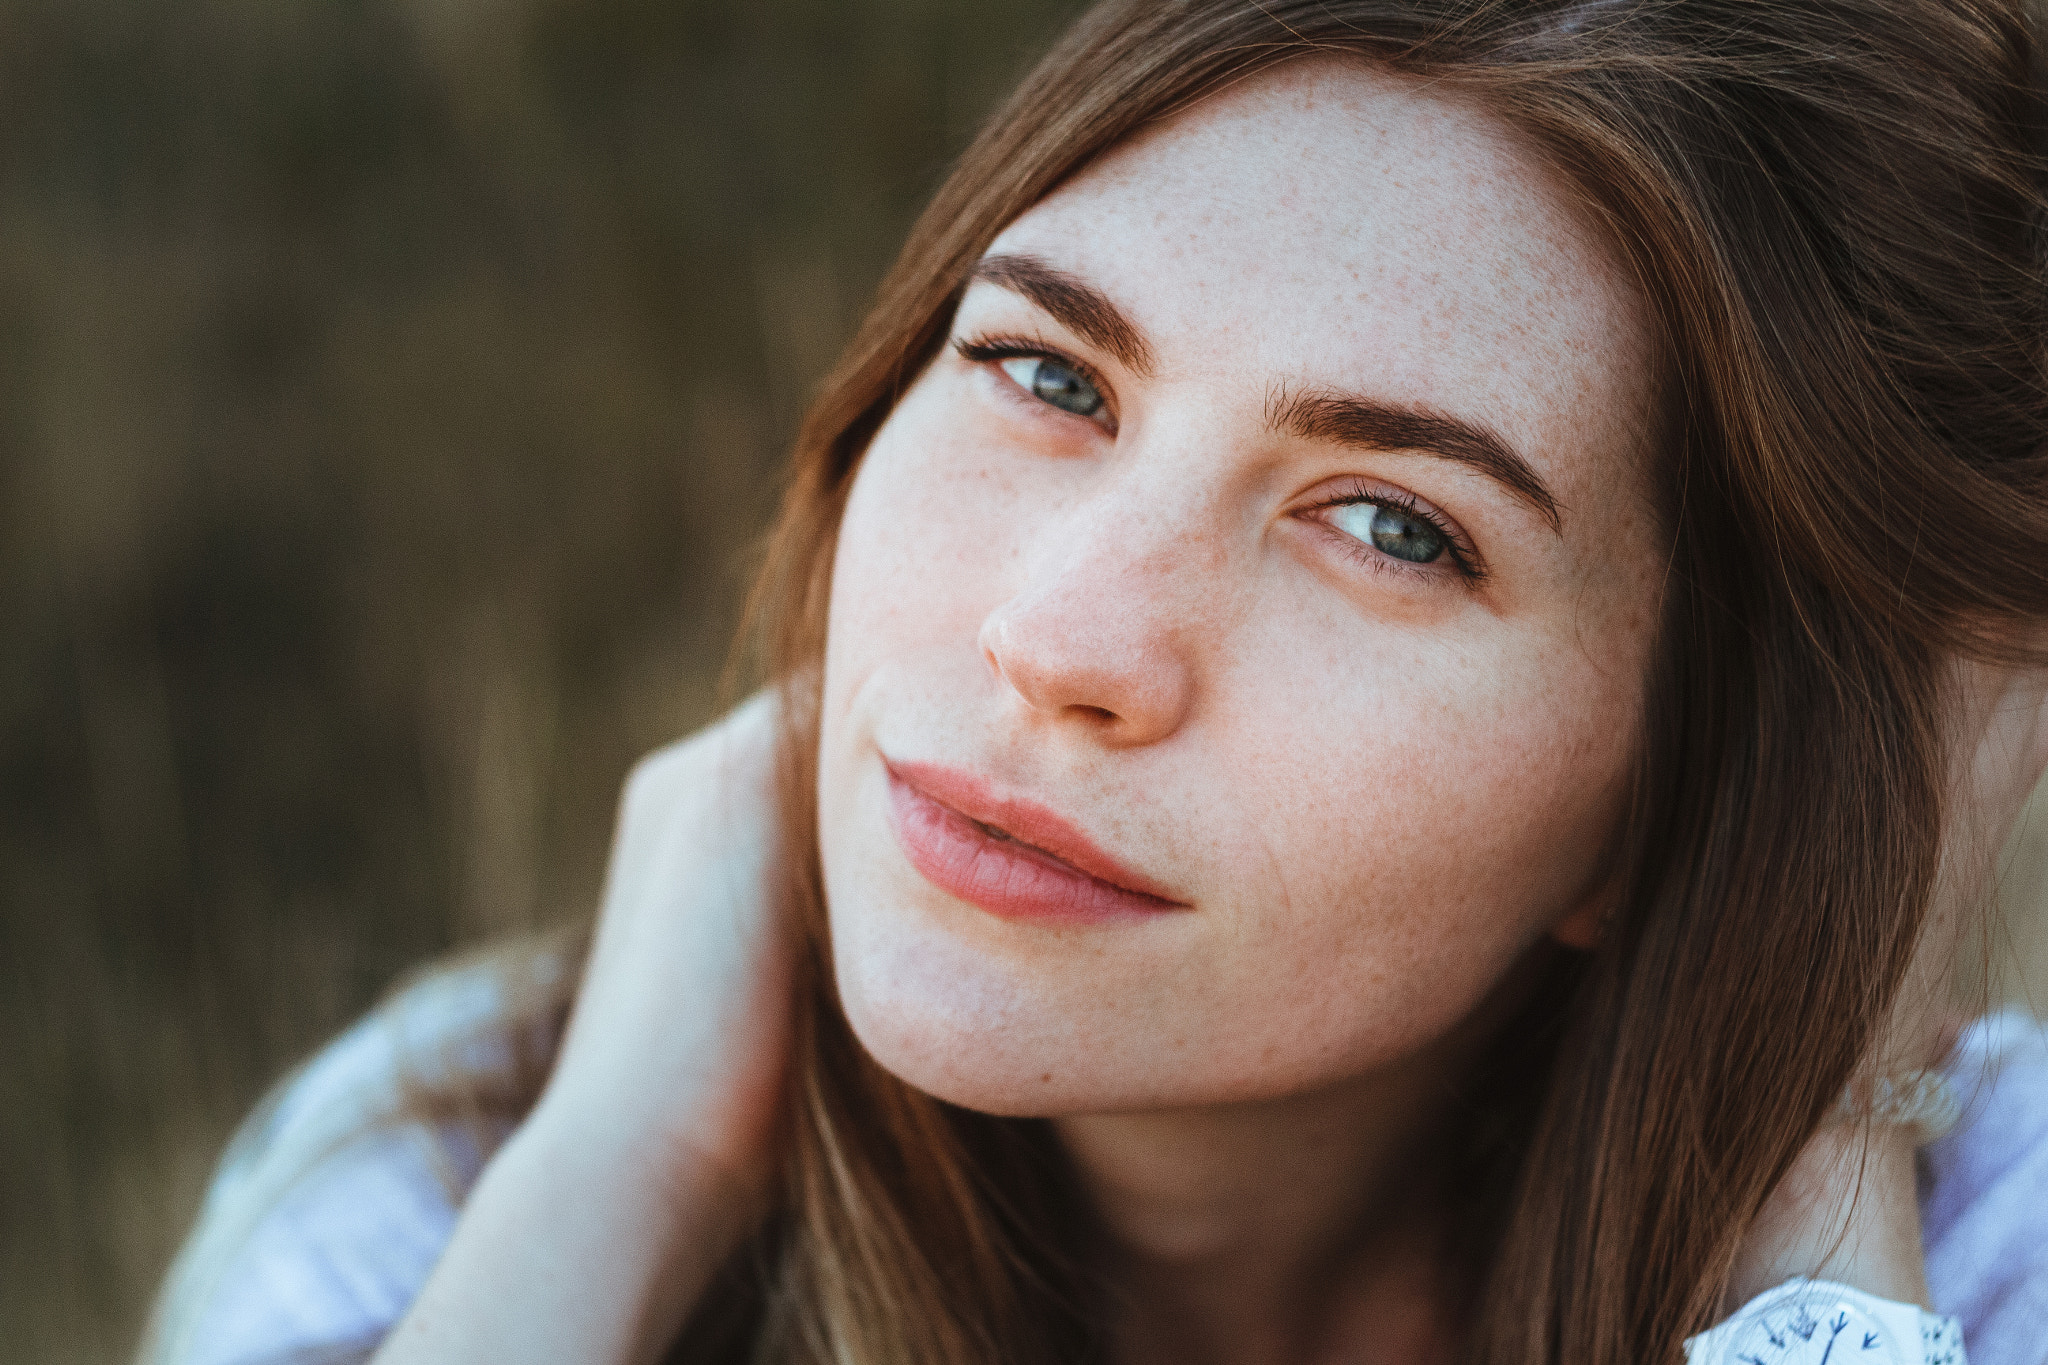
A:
(1848, 1210)
(678, 1041)
(649, 1156)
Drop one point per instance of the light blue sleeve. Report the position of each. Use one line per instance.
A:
(326, 1217)
(1985, 1212)
(337, 1262)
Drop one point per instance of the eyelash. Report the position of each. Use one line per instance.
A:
(985, 350)
(1465, 561)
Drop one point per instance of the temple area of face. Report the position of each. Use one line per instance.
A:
(1345, 419)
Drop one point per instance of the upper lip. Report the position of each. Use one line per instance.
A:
(1025, 821)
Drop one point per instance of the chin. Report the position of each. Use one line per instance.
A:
(961, 1075)
(976, 1030)
(970, 1036)
(973, 1030)
(1019, 1020)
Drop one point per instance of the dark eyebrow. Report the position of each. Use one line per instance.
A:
(1375, 425)
(1075, 304)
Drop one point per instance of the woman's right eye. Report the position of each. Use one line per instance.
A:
(1054, 383)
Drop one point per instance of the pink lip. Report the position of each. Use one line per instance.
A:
(1012, 858)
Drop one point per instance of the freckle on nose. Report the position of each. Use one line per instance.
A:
(1046, 1077)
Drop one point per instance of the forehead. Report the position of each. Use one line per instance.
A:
(1331, 223)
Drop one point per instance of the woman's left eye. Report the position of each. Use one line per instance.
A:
(1054, 383)
(1403, 535)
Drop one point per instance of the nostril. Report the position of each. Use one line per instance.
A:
(1096, 712)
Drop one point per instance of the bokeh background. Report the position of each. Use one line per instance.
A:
(391, 395)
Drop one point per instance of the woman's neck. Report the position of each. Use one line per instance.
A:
(1291, 1230)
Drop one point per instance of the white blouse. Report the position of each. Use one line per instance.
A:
(320, 1227)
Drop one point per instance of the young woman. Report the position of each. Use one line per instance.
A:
(1397, 656)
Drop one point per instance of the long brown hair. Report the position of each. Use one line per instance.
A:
(1832, 206)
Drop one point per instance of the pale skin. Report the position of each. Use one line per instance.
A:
(1377, 784)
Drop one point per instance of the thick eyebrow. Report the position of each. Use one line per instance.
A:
(1075, 304)
(1374, 425)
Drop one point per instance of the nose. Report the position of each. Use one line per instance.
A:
(1100, 637)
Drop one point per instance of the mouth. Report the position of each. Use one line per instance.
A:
(1012, 858)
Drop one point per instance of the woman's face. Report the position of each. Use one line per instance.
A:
(1238, 632)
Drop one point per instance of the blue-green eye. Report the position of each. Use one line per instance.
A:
(1054, 383)
(1390, 530)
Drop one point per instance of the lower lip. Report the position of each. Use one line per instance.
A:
(1008, 879)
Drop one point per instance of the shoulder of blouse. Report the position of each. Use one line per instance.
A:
(323, 1222)
(327, 1212)
(1984, 1193)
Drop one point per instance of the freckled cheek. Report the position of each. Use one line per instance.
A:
(928, 534)
(1414, 816)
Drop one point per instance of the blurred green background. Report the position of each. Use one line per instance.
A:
(391, 393)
